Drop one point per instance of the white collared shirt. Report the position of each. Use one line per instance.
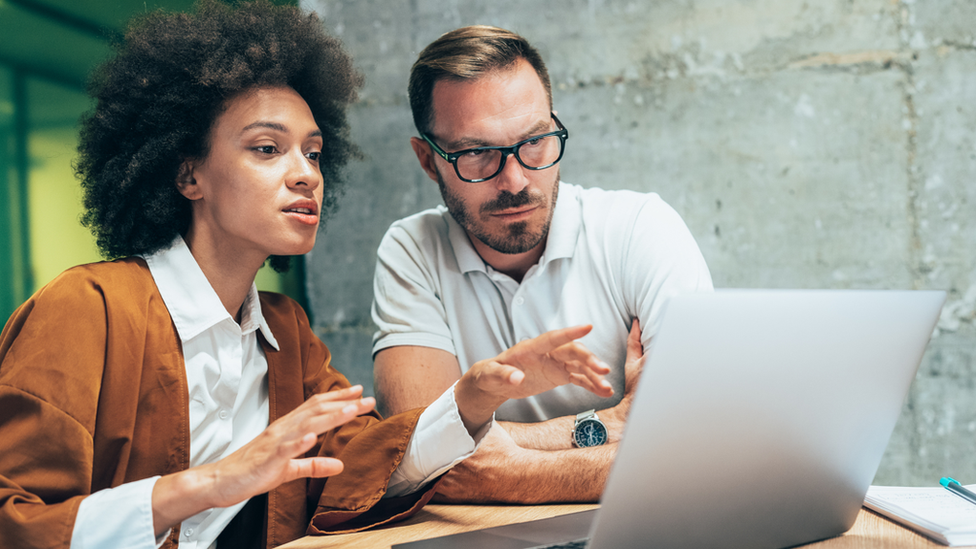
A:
(226, 372)
(610, 257)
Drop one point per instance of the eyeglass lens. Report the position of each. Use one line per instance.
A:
(484, 163)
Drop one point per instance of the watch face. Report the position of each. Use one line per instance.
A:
(590, 432)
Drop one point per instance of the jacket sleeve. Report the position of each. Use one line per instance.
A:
(353, 500)
(369, 447)
(51, 355)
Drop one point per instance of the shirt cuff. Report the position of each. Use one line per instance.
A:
(117, 517)
(439, 442)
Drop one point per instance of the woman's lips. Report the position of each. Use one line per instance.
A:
(305, 211)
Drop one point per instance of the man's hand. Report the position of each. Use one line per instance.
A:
(476, 479)
(502, 472)
(271, 459)
(528, 368)
(615, 418)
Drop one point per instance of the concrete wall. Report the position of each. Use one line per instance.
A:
(808, 144)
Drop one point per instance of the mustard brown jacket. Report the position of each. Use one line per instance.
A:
(93, 394)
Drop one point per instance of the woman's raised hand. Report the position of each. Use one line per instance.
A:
(274, 457)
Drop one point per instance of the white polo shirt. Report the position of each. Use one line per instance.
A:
(611, 256)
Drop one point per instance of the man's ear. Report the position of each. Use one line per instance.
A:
(426, 157)
(186, 183)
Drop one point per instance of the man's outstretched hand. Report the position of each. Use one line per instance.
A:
(528, 368)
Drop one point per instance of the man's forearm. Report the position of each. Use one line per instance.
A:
(557, 433)
(533, 476)
(554, 434)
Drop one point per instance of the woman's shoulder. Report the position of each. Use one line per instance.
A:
(121, 276)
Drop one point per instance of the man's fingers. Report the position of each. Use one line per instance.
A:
(595, 382)
(557, 338)
(498, 376)
(577, 357)
(599, 387)
(634, 347)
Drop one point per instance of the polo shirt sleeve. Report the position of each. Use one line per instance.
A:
(662, 260)
(407, 302)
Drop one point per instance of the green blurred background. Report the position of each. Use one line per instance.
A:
(47, 49)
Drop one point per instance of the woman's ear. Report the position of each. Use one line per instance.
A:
(185, 182)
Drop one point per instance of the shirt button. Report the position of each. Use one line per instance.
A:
(519, 300)
(223, 414)
(188, 532)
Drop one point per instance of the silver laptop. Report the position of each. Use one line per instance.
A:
(759, 421)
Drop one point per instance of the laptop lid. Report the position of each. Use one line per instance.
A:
(760, 420)
(761, 416)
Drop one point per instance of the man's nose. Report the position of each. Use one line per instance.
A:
(512, 178)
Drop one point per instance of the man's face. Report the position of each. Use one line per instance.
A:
(511, 212)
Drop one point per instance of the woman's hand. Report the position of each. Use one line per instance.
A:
(528, 368)
(271, 459)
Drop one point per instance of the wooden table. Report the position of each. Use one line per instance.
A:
(871, 531)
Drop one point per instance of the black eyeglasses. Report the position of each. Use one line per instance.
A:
(483, 163)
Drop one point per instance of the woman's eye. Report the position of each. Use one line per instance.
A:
(266, 149)
(314, 156)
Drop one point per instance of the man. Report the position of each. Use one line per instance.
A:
(516, 253)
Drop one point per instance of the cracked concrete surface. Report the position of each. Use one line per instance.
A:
(808, 144)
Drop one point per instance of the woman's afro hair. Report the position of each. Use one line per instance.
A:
(158, 98)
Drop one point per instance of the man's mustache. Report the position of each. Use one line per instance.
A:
(507, 200)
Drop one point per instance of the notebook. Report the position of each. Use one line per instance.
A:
(933, 511)
(760, 420)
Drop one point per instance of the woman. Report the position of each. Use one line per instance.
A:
(159, 399)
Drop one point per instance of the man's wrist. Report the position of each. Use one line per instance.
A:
(475, 405)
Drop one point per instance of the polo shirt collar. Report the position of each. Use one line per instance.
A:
(192, 302)
(565, 227)
(467, 257)
(560, 243)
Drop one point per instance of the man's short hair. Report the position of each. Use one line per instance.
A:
(467, 54)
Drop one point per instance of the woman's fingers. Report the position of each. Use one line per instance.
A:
(326, 411)
(325, 416)
(314, 467)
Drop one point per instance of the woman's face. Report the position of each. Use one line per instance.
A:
(259, 190)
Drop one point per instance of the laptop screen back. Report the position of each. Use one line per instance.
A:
(762, 415)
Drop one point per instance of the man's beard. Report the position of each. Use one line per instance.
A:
(518, 239)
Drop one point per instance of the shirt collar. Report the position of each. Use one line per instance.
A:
(567, 221)
(560, 243)
(192, 302)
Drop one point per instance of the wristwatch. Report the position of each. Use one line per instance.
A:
(589, 430)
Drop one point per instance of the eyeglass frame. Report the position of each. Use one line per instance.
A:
(562, 133)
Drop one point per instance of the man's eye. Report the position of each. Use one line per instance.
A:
(474, 153)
